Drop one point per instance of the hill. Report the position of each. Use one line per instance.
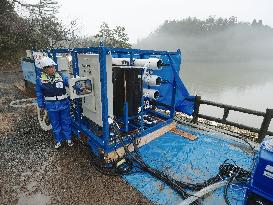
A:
(213, 39)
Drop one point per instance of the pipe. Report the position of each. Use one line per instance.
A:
(23, 102)
(203, 192)
(151, 63)
(152, 80)
(42, 122)
(120, 61)
(151, 93)
(30, 102)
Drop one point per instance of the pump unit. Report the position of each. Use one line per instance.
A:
(121, 87)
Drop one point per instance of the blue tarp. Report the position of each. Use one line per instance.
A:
(189, 161)
(183, 101)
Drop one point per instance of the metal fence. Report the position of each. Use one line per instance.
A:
(262, 132)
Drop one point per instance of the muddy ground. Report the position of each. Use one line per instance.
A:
(32, 172)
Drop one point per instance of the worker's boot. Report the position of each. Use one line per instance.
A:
(69, 143)
(58, 145)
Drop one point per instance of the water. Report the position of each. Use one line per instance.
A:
(243, 84)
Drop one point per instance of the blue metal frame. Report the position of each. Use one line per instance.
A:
(104, 98)
(98, 143)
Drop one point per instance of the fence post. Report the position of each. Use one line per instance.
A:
(265, 124)
(196, 109)
(225, 115)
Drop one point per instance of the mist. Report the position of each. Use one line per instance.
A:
(222, 60)
(217, 51)
(213, 40)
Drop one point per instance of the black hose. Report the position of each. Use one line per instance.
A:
(133, 159)
(136, 158)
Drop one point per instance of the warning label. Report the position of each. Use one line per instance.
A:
(268, 172)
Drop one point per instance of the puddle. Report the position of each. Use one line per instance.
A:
(36, 199)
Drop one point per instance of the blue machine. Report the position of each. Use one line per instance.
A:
(92, 115)
(139, 90)
(260, 191)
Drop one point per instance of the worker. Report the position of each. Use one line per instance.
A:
(51, 95)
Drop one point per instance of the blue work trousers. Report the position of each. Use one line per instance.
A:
(61, 124)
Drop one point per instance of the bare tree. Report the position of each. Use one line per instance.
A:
(45, 29)
(116, 37)
(35, 27)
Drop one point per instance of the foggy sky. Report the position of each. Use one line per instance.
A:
(140, 17)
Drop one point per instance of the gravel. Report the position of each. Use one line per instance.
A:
(33, 172)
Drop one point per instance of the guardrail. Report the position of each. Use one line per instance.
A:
(262, 132)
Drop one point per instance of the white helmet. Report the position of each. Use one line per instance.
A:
(45, 61)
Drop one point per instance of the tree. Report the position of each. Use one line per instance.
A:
(13, 29)
(113, 38)
(35, 27)
(45, 26)
(45, 30)
(45, 8)
(120, 38)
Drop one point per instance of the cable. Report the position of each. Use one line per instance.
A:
(23, 102)
(207, 128)
(111, 170)
(30, 102)
(226, 190)
(225, 171)
(203, 192)
(136, 158)
(133, 159)
(42, 121)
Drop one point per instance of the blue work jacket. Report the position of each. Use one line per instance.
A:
(50, 87)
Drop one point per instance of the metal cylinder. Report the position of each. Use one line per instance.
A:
(152, 80)
(151, 63)
(151, 93)
(120, 61)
